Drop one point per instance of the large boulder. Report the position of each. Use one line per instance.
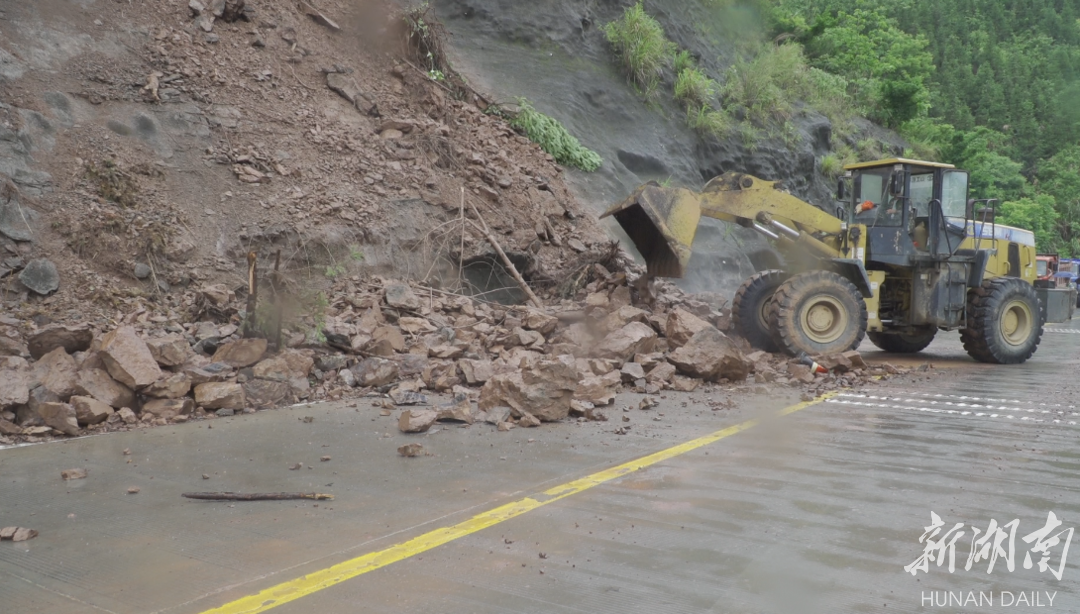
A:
(544, 391)
(412, 421)
(14, 388)
(598, 390)
(169, 408)
(128, 359)
(264, 393)
(59, 416)
(241, 353)
(97, 383)
(71, 338)
(174, 386)
(288, 366)
(58, 373)
(40, 276)
(681, 325)
(171, 350)
(401, 296)
(220, 395)
(622, 344)
(375, 372)
(89, 410)
(711, 355)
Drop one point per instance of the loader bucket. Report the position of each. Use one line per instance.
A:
(662, 223)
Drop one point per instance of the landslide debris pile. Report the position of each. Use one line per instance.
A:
(397, 344)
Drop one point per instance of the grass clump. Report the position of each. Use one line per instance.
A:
(553, 138)
(642, 48)
(707, 120)
(693, 88)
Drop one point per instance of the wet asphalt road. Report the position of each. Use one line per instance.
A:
(816, 511)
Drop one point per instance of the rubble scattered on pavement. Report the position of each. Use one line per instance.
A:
(73, 474)
(503, 365)
(411, 450)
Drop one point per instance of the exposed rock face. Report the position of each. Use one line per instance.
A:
(128, 360)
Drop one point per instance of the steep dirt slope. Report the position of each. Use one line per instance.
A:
(151, 145)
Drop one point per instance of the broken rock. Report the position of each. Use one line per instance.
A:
(375, 372)
(14, 388)
(241, 353)
(416, 421)
(411, 450)
(174, 386)
(59, 416)
(128, 360)
(634, 338)
(58, 373)
(711, 355)
(221, 395)
(262, 393)
(459, 411)
(682, 325)
(40, 276)
(169, 408)
(97, 383)
(401, 296)
(598, 390)
(90, 411)
(170, 351)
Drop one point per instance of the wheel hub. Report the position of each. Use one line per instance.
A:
(1016, 323)
(824, 319)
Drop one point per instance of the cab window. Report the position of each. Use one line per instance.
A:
(873, 205)
(922, 192)
(954, 190)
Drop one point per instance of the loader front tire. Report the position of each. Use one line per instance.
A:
(750, 309)
(818, 312)
(903, 344)
(1004, 321)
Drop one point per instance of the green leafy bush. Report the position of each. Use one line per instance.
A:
(553, 138)
(643, 49)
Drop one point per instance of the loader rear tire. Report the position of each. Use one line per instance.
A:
(750, 309)
(903, 344)
(818, 312)
(1004, 321)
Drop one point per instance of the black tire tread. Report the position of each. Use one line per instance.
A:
(901, 344)
(979, 339)
(744, 306)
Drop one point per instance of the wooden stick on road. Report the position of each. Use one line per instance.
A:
(264, 496)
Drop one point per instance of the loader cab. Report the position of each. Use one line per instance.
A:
(911, 209)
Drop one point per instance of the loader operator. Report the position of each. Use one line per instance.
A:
(877, 207)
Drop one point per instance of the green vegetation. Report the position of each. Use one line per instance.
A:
(988, 85)
(642, 47)
(553, 138)
(693, 88)
(705, 120)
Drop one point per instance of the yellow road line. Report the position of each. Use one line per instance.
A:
(336, 574)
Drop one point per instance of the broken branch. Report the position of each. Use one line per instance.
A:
(506, 260)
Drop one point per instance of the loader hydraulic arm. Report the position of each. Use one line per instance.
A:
(662, 221)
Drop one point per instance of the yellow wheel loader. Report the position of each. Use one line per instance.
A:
(905, 254)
